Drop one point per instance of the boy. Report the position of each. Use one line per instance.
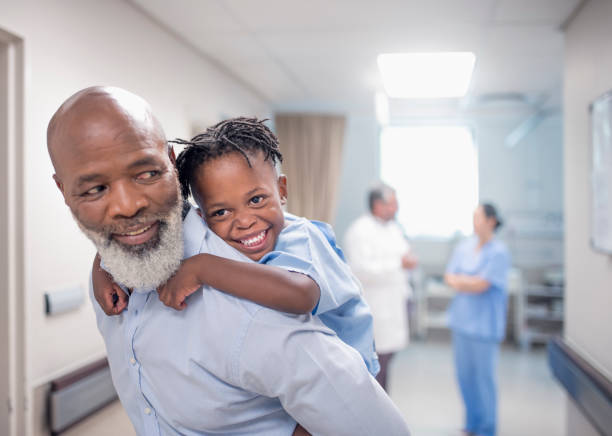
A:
(231, 172)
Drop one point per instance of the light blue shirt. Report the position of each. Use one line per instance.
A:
(481, 315)
(228, 366)
(310, 248)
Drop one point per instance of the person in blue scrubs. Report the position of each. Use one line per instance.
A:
(478, 271)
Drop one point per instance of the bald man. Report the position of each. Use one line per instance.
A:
(223, 365)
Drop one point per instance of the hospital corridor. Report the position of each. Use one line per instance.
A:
(290, 218)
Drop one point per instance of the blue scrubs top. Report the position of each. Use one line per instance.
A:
(481, 315)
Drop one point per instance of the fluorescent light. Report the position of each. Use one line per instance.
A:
(426, 75)
(381, 102)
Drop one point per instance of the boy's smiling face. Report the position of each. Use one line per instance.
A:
(242, 204)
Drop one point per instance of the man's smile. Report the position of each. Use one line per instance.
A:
(138, 235)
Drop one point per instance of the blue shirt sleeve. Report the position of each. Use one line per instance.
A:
(329, 234)
(496, 266)
(303, 247)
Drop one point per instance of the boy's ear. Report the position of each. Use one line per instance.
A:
(199, 212)
(282, 188)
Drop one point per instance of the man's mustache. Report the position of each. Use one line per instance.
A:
(129, 225)
(125, 225)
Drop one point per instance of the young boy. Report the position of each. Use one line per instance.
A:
(230, 170)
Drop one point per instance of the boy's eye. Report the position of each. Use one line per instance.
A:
(93, 191)
(257, 199)
(220, 212)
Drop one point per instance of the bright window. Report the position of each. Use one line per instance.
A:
(434, 170)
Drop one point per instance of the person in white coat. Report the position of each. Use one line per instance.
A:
(379, 254)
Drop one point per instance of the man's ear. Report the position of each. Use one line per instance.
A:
(199, 212)
(171, 155)
(282, 188)
(59, 184)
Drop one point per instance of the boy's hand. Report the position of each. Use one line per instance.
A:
(300, 431)
(109, 295)
(182, 284)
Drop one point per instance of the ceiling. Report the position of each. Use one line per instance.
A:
(323, 52)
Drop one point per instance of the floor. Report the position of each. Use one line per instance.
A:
(423, 387)
(112, 420)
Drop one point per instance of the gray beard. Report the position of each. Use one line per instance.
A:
(147, 266)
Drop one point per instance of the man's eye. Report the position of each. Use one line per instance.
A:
(95, 190)
(257, 199)
(148, 175)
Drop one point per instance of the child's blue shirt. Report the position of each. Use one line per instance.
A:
(310, 248)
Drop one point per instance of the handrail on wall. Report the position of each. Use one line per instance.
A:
(590, 389)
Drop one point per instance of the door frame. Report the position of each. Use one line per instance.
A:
(12, 233)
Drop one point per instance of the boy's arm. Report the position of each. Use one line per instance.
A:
(267, 285)
(108, 294)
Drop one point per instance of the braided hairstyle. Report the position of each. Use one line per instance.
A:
(241, 135)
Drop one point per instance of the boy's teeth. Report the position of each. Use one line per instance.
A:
(138, 232)
(254, 240)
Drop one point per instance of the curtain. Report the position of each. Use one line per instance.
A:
(312, 151)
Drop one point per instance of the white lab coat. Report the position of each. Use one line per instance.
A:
(374, 250)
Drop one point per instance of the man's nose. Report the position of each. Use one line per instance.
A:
(127, 200)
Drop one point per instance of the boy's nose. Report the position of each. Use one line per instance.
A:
(245, 221)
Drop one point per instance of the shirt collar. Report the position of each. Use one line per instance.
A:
(194, 233)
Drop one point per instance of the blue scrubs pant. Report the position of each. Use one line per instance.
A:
(475, 363)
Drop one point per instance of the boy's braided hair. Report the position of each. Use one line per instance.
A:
(237, 135)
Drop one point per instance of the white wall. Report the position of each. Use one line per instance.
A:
(588, 74)
(71, 44)
(360, 168)
(527, 176)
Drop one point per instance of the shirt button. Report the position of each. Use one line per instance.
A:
(147, 411)
(133, 361)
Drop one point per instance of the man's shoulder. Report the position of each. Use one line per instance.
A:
(242, 309)
(232, 309)
(308, 226)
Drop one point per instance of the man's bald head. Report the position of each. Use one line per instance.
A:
(115, 173)
(86, 113)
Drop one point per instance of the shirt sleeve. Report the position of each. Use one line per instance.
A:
(496, 267)
(305, 249)
(329, 234)
(320, 381)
